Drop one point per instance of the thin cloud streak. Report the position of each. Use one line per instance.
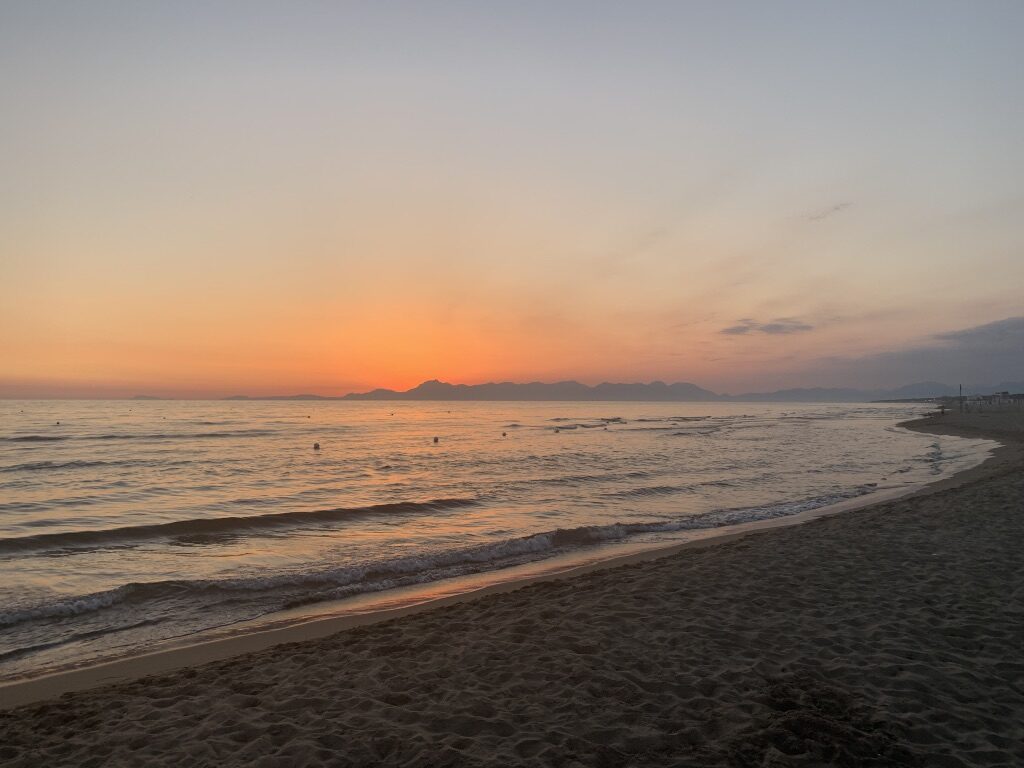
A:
(830, 211)
(780, 326)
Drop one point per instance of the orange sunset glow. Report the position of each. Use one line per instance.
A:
(325, 215)
(534, 384)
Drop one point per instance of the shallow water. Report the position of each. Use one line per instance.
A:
(130, 523)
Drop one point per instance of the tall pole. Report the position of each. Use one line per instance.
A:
(961, 398)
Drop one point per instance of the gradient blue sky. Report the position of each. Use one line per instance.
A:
(204, 198)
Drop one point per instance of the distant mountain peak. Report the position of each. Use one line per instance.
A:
(435, 389)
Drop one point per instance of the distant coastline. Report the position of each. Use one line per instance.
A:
(655, 391)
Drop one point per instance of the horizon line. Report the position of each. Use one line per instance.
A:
(377, 393)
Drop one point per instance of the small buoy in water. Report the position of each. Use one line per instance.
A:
(316, 446)
(556, 430)
(502, 434)
(58, 423)
(437, 440)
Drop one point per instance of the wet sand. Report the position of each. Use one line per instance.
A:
(891, 635)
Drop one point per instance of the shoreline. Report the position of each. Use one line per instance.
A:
(17, 693)
(889, 636)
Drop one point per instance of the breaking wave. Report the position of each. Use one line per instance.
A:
(35, 466)
(141, 436)
(220, 525)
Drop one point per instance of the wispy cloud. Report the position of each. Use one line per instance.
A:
(780, 326)
(830, 211)
(624, 256)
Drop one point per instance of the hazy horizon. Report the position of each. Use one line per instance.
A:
(328, 198)
(967, 387)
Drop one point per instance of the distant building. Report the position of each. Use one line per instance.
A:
(995, 400)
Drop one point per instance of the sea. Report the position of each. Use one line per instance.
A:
(132, 526)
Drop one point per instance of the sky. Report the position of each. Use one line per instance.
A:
(209, 198)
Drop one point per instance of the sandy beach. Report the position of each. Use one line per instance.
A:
(890, 635)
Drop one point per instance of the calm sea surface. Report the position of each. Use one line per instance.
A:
(128, 524)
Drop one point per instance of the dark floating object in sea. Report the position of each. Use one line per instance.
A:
(437, 440)
(316, 446)
(502, 434)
